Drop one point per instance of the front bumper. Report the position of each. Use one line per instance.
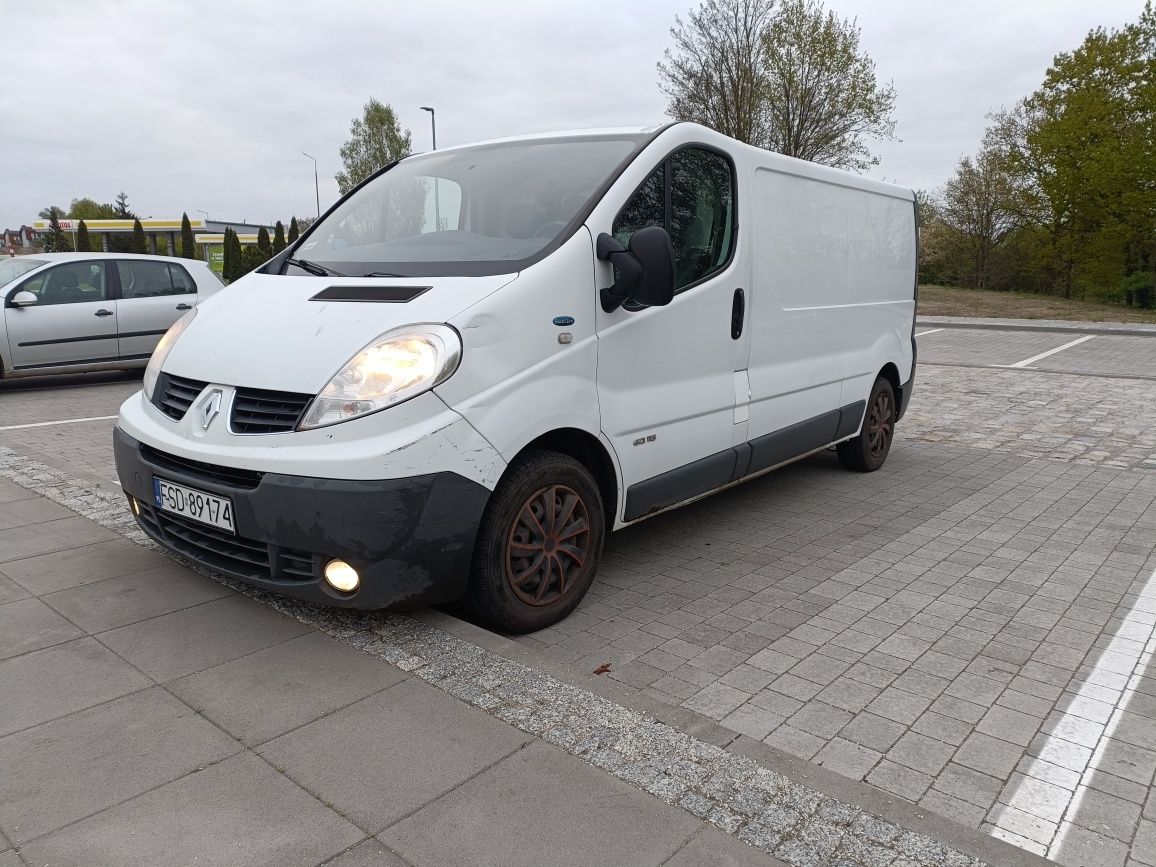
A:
(410, 539)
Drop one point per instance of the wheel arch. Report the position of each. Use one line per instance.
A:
(891, 373)
(589, 451)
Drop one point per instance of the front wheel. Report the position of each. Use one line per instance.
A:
(867, 452)
(538, 544)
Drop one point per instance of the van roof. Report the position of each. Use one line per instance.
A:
(768, 158)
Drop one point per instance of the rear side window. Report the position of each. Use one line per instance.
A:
(182, 283)
(144, 279)
(692, 196)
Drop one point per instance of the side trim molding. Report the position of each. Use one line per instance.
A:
(733, 464)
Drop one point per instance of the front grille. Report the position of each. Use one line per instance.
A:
(247, 479)
(223, 551)
(174, 395)
(256, 411)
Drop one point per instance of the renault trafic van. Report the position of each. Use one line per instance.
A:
(483, 359)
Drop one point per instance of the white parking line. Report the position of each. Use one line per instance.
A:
(928, 331)
(1044, 355)
(1051, 789)
(62, 421)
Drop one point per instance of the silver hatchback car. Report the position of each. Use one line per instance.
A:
(73, 312)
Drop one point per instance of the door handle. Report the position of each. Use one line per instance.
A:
(103, 312)
(184, 306)
(738, 313)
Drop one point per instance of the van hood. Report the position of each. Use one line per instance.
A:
(264, 331)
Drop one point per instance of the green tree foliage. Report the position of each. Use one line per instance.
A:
(140, 241)
(714, 74)
(121, 210)
(790, 77)
(1073, 170)
(278, 237)
(82, 243)
(46, 213)
(978, 208)
(55, 241)
(251, 259)
(89, 209)
(375, 139)
(294, 232)
(264, 244)
(229, 265)
(820, 88)
(188, 240)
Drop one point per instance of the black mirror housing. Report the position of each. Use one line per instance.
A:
(645, 273)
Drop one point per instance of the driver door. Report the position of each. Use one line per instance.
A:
(72, 322)
(671, 380)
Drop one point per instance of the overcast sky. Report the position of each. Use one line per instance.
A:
(208, 105)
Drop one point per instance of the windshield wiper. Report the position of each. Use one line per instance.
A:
(382, 274)
(314, 268)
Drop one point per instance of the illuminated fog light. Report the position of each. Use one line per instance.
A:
(341, 576)
(135, 506)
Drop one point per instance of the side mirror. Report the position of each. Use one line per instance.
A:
(644, 273)
(23, 299)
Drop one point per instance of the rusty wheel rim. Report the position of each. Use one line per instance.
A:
(548, 545)
(880, 421)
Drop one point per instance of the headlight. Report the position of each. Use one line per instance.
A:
(162, 351)
(397, 366)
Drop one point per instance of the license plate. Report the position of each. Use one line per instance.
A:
(193, 504)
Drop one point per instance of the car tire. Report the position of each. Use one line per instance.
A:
(538, 544)
(867, 452)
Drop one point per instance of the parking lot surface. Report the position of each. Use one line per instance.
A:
(968, 631)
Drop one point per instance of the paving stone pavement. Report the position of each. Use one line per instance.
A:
(969, 630)
(459, 793)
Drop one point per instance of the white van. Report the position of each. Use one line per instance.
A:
(483, 359)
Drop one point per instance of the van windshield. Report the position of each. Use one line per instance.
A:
(480, 210)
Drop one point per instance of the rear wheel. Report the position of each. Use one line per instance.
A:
(868, 451)
(538, 545)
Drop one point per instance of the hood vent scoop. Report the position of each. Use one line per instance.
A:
(378, 294)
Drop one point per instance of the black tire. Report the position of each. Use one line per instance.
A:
(531, 565)
(867, 452)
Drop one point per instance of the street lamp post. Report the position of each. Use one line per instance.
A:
(433, 128)
(316, 187)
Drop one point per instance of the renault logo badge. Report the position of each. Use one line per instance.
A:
(211, 409)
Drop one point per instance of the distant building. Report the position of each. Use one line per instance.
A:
(23, 240)
(209, 234)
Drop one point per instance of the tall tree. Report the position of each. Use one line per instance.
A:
(714, 74)
(55, 241)
(89, 209)
(789, 76)
(82, 242)
(188, 240)
(821, 91)
(278, 237)
(140, 241)
(251, 259)
(294, 232)
(375, 140)
(1083, 150)
(227, 268)
(264, 244)
(977, 206)
(121, 210)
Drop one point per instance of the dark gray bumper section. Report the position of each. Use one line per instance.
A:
(410, 539)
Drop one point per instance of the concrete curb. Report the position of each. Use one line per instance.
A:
(1114, 329)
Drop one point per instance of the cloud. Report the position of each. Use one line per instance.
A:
(209, 105)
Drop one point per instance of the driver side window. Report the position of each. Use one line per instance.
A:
(73, 283)
(692, 196)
